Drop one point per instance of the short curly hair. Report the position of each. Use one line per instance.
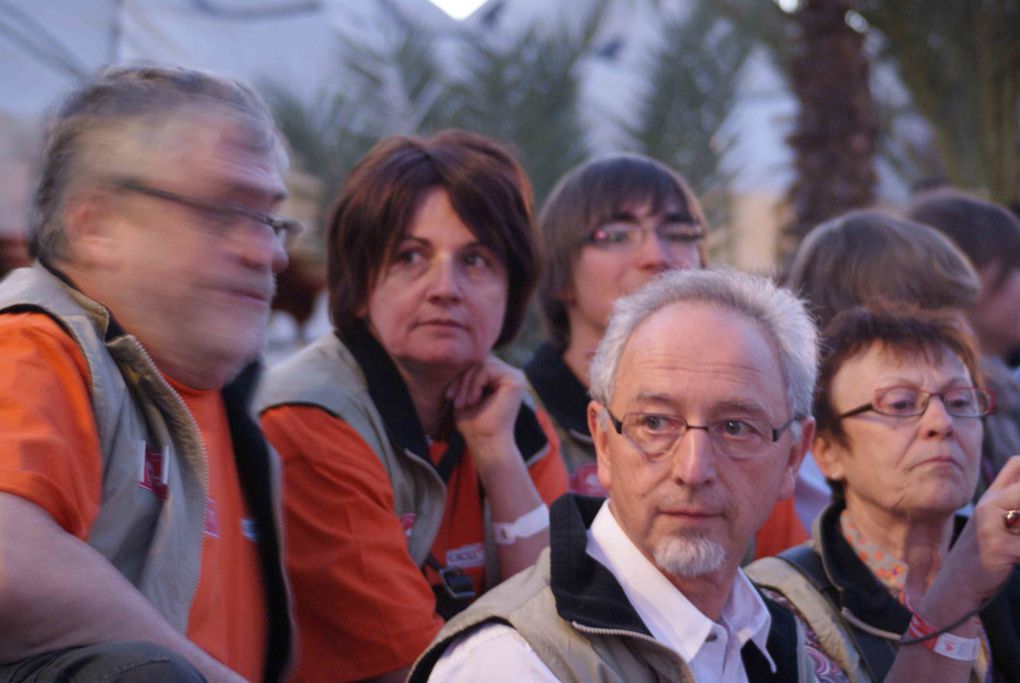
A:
(898, 328)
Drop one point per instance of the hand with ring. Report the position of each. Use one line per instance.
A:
(1011, 518)
(986, 551)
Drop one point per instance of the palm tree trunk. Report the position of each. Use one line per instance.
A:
(835, 131)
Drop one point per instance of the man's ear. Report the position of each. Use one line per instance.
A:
(828, 455)
(598, 427)
(90, 229)
(796, 456)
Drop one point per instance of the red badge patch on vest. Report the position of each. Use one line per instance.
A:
(212, 521)
(585, 480)
(155, 470)
(407, 521)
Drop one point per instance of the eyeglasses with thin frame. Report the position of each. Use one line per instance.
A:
(740, 438)
(626, 236)
(221, 215)
(910, 401)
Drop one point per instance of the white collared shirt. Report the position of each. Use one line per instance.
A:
(498, 653)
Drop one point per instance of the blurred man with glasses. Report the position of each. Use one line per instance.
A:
(701, 389)
(139, 535)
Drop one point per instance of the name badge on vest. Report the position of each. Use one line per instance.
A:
(466, 556)
(155, 470)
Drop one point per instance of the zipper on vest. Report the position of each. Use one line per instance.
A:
(203, 451)
(618, 632)
(594, 630)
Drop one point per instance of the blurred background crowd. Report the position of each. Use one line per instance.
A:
(780, 114)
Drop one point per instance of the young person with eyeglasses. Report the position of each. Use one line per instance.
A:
(609, 226)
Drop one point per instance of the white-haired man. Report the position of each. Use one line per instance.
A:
(701, 391)
(138, 527)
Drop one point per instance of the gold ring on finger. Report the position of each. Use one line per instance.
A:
(1011, 519)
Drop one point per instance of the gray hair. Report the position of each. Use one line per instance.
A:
(778, 311)
(90, 132)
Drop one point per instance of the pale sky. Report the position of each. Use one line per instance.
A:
(458, 9)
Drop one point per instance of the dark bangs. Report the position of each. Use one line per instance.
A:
(624, 183)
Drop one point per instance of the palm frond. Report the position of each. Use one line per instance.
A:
(690, 92)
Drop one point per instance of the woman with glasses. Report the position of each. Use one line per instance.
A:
(865, 257)
(898, 409)
(989, 235)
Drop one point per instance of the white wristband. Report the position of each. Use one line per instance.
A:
(946, 644)
(524, 526)
(955, 647)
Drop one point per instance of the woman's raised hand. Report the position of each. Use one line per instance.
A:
(986, 552)
(486, 399)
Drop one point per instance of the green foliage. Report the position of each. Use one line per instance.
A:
(526, 92)
(960, 62)
(322, 138)
(523, 89)
(395, 87)
(763, 22)
(691, 88)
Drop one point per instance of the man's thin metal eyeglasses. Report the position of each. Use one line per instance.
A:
(655, 434)
(910, 401)
(222, 214)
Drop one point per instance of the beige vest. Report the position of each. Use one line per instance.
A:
(325, 374)
(572, 652)
(775, 574)
(156, 545)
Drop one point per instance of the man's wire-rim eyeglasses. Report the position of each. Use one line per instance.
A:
(223, 214)
(655, 434)
(911, 401)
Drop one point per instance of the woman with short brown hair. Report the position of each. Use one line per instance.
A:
(402, 436)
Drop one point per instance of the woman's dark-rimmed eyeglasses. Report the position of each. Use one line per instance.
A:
(910, 401)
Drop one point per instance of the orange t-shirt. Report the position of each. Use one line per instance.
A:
(228, 618)
(363, 606)
(50, 455)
